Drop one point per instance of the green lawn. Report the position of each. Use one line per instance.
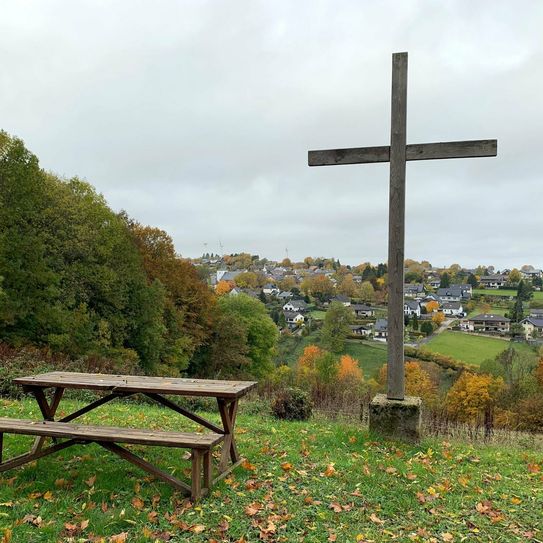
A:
(471, 349)
(538, 295)
(317, 314)
(314, 482)
(493, 310)
(371, 354)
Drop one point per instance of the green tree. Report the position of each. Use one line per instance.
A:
(415, 322)
(335, 329)
(472, 280)
(524, 291)
(445, 280)
(426, 328)
(262, 334)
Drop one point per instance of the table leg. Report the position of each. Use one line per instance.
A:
(228, 412)
(47, 409)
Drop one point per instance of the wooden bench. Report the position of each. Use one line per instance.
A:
(201, 446)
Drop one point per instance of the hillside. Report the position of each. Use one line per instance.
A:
(313, 482)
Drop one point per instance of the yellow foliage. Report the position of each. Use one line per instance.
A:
(438, 318)
(432, 306)
(472, 395)
(306, 367)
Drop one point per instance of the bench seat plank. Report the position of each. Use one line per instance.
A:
(138, 436)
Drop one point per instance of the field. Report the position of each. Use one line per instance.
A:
(307, 482)
(493, 311)
(372, 355)
(538, 295)
(470, 349)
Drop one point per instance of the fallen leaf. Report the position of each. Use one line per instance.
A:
(330, 470)
(197, 528)
(335, 507)
(48, 496)
(119, 538)
(248, 466)
(286, 466)
(374, 518)
(138, 503)
(90, 482)
(252, 509)
(446, 536)
(84, 524)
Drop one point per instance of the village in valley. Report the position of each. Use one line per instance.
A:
(504, 304)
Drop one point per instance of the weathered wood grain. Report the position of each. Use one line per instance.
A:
(416, 151)
(396, 228)
(136, 436)
(137, 383)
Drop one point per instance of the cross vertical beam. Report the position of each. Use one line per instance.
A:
(396, 228)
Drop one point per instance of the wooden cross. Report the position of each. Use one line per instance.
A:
(397, 154)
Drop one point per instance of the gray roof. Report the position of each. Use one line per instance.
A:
(536, 312)
(414, 287)
(485, 317)
(341, 298)
(361, 307)
(538, 323)
(454, 290)
(381, 325)
(452, 305)
(298, 303)
(358, 327)
(291, 314)
(412, 304)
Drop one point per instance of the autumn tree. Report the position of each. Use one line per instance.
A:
(349, 369)
(335, 329)
(347, 286)
(432, 306)
(223, 287)
(246, 280)
(417, 382)
(306, 366)
(321, 287)
(438, 318)
(514, 276)
(472, 395)
(366, 292)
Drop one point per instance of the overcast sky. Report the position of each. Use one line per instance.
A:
(196, 117)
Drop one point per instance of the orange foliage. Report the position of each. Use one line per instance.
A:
(472, 395)
(349, 369)
(432, 306)
(223, 287)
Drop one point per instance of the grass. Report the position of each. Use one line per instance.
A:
(317, 314)
(493, 311)
(537, 295)
(471, 349)
(372, 355)
(305, 482)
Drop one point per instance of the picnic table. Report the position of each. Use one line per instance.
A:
(201, 445)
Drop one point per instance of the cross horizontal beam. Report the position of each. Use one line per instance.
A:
(417, 151)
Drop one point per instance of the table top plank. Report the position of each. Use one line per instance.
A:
(138, 383)
(138, 436)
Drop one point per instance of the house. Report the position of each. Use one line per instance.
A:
(285, 295)
(380, 332)
(411, 307)
(532, 274)
(494, 324)
(225, 275)
(536, 313)
(453, 309)
(455, 293)
(414, 290)
(294, 318)
(533, 327)
(434, 283)
(493, 281)
(342, 299)
(295, 305)
(360, 330)
(362, 310)
(270, 289)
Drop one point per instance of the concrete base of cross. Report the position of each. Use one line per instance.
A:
(396, 419)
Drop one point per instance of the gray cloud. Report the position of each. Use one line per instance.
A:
(197, 117)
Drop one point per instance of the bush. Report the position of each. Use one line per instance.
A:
(292, 404)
